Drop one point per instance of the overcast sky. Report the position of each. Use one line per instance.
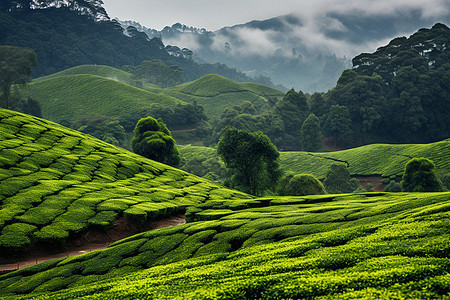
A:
(214, 14)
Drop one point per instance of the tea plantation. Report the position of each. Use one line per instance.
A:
(102, 71)
(215, 93)
(71, 97)
(365, 246)
(386, 160)
(55, 182)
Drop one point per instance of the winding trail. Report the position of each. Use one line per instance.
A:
(91, 240)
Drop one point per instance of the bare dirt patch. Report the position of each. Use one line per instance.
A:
(90, 240)
(378, 186)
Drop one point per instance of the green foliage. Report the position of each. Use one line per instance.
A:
(338, 180)
(16, 65)
(293, 110)
(300, 185)
(106, 129)
(251, 158)
(395, 93)
(393, 187)
(419, 176)
(157, 72)
(153, 140)
(310, 134)
(338, 123)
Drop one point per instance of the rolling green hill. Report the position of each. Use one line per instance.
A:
(360, 246)
(215, 93)
(386, 160)
(56, 182)
(74, 96)
(98, 70)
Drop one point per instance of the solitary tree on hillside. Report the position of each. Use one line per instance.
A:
(310, 135)
(251, 158)
(338, 180)
(153, 140)
(16, 65)
(419, 176)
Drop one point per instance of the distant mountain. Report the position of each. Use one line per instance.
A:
(294, 51)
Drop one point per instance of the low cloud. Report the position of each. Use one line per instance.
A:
(344, 28)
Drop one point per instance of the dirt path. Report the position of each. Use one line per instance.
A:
(91, 240)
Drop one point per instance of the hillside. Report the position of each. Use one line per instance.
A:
(386, 160)
(102, 71)
(215, 93)
(71, 97)
(365, 246)
(55, 183)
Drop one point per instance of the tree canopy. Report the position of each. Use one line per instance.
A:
(338, 180)
(311, 135)
(16, 66)
(251, 159)
(419, 176)
(153, 140)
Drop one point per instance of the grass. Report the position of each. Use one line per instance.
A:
(72, 97)
(215, 93)
(386, 160)
(56, 182)
(372, 245)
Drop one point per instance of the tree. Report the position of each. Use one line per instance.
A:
(420, 177)
(310, 135)
(157, 72)
(153, 140)
(251, 159)
(16, 65)
(318, 105)
(338, 180)
(293, 110)
(300, 185)
(337, 123)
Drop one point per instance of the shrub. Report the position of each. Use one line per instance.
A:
(16, 235)
(393, 187)
(103, 218)
(304, 184)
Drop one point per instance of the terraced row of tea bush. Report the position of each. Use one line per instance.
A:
(55, 182)
(98, 70)
(215, 93)
(71, 97)
(386, 160)
(371, 246)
